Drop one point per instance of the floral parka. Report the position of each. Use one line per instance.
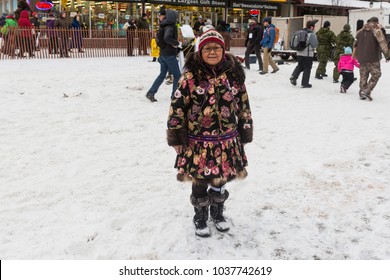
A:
(211, 117)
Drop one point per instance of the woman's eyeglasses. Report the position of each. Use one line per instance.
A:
(210, 49)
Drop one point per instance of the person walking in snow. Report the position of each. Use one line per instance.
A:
(345, 68)
(305, 57)
(209, 122)
(252, 42)
(343, 40)
(326, 40)
(370, 43)
(167, 40)
(267, 44)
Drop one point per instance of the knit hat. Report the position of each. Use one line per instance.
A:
(347, 50)
(267, 19)
(206, 28)
(347, 28)
(326, 24)
(211, 36)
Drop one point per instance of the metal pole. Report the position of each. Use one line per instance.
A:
(90, 20)
(117, 18)
(289, 8)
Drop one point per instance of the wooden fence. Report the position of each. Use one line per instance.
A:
(76, 43)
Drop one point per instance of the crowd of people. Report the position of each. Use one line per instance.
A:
(364, 52)
(21, 33)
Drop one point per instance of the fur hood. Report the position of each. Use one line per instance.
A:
(229, 63)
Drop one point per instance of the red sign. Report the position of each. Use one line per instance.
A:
(44, 5)
(254, 12)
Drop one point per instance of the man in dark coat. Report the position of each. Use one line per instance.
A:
(167, 40)
(370, 43)
(326, 39)
(144, 35)
(62, 23)
(252, 42)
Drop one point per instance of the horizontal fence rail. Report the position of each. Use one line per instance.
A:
(19, 43)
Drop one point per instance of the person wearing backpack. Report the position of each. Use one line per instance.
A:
(305, 57)
(326, 40)
(252, 42)
(268, 43)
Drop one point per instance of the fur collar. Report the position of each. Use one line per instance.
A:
(229, 63)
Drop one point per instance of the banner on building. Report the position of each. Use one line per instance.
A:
(253, 4)
(205, 3)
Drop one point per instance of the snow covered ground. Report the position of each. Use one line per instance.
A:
(85, 171)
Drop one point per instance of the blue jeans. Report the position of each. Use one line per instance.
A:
(170, 63)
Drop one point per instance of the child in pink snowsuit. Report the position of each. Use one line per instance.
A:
(345, 67)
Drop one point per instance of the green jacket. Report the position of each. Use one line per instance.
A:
(326, 39)
(9, 22)
(344, 39)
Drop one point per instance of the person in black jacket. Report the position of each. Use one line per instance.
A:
(167, 40)
(252, 42)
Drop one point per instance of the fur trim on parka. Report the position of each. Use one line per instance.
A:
(194, 62)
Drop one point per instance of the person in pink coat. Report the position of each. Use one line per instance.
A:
(345, 67)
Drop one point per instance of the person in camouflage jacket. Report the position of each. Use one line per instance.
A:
(326, 39)
(209, 122)
(343, 40)
(369, 45)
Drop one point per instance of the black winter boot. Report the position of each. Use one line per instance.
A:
(201, 208)
(217, 201)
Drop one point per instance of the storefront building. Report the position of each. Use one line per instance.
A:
(108, 14)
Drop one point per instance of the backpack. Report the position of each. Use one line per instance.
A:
(277, 31)
(299, 40)
(276, 39)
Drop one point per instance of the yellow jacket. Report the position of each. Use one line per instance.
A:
(155, 49)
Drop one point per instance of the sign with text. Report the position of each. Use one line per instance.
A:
(247, 4)
(206, 3)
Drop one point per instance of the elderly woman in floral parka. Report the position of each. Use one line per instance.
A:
(209, 123)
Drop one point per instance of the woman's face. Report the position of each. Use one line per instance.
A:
(212, 53)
